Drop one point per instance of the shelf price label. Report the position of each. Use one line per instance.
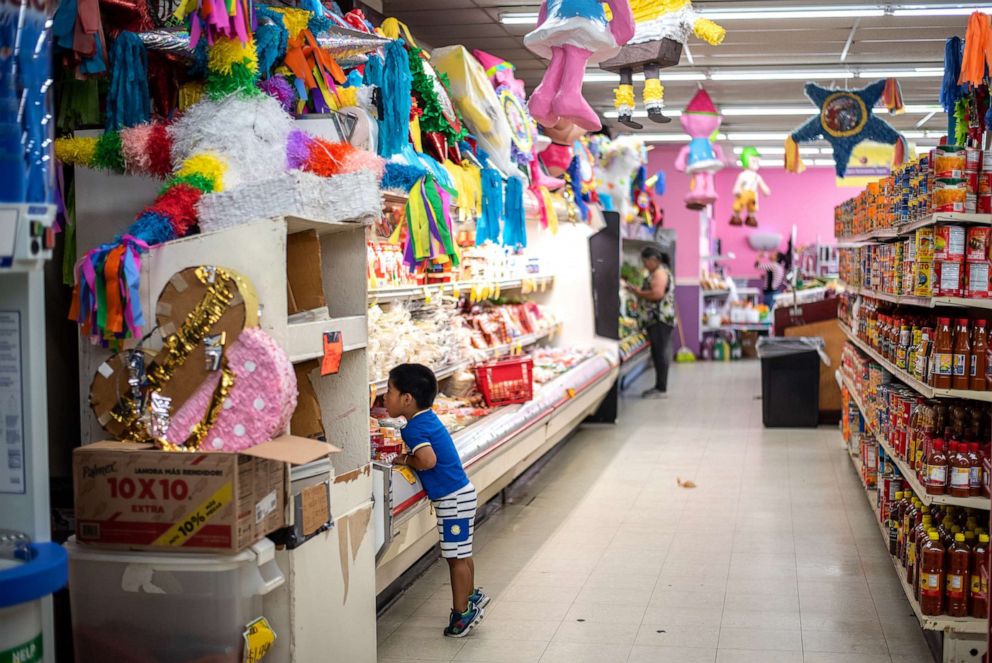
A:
(259, 638)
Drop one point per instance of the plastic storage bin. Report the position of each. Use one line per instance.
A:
(166, 608)
(790, 381)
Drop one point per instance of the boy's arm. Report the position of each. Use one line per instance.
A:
(422, 457)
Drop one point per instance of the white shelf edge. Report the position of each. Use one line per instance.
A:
(905, 229)
(305, 340)
(909, 380)
(386, 295)
(980, 503)
(971, 625)
(925, 302)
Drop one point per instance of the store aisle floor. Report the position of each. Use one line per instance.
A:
(774, 556)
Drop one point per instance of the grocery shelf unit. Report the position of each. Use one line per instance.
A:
(500, 447)
(959, 639)
(328, 601)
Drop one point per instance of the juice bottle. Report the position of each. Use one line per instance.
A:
(958, 572)
(979, 566)
(942, 366)
(936, 469)
(961, 378)
(931, 576)
(978, 364)
(975, 477)
(959, 467)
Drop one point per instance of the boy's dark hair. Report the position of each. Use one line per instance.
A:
(416, 380)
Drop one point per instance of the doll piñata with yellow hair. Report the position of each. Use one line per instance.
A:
(661, 28)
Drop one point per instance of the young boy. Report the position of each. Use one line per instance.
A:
(411, 393)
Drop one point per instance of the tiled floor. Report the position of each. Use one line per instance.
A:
(773, 557)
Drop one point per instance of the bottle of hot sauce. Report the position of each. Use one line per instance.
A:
(931, 573)
(936, 469)
(909, 522)
(916, 536)
(979, 567)
(942, 366)
(958, 572)
(975, 476)
(979, 360)
(961, 378)
(959, 467)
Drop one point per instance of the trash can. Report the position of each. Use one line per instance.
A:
(28, 573)
(167, 607)
(790, 381)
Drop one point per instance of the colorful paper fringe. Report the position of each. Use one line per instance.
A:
(514, 224)
(429, 231)
(488, 226)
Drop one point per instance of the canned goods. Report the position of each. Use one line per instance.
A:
(950, 162)
(948, 279)
(983, 204)
(949, 242)
(971, 181)
(923, 278)
(978, 243)
(949, 195)
(985, 182)
(977, 279)
(972, 158)
(923, 244)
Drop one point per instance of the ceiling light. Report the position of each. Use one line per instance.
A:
(938, 10)
(757, 135)
(772, 163)
(918, 72)
(780, 75)
(771, 110)
(518, 18)
(824, 162)
(756, 13)
(643, 113)
(607, 77)
(924, 108)
(669, 138)
(773, 150)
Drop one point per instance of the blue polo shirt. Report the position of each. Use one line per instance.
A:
(425, 429)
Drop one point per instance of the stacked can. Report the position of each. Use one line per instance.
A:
(977, 270)
(923, 264)
(983, 204)
(948, 260)
(950, 177)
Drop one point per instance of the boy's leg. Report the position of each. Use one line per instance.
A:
(461, 583)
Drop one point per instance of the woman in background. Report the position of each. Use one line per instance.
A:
(657, 311)
(774, 277)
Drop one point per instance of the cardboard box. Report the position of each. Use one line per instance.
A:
(303, 272)
(135, 497)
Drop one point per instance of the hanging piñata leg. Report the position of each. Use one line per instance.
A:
(654, 94)
(623, 99)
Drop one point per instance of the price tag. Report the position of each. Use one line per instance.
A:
(333, 349)
(544, 285)
(456, 290)
(427, 295)
(571, 392)
(496, 291)
(259, 638)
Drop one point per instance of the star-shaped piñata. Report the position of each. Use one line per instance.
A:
(845, 120)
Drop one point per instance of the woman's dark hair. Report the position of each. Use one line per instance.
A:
(416, 380)
(654, 252)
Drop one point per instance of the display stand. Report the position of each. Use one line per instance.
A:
(26, 238)
(958, 639)
(327, 602)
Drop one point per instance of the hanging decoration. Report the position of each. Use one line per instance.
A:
(845, 119)
(746, 188)
(128, 101)
(513, 102)
(514, 226)
(700, 159)
(950, 90)
(662, 28)
(977, 54)
(488, 225)
(429, 228)
(572, 33)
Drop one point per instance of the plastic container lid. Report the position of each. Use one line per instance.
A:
(933, 535)
(959, 537)
(984, 538)
(45, 573)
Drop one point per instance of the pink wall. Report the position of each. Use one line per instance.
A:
(807, 200)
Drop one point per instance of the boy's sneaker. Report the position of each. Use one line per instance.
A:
(460, 625)
(479, 598)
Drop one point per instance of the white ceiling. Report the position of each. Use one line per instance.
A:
(890, 42)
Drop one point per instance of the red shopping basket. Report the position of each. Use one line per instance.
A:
(506, 381)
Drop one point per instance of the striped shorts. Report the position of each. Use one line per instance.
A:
(456, 522)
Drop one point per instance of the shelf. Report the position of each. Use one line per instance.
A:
(305, 339)
(909, 380)
(907, 472)
(295, 224)
(925, 302)
(642, 345)
(933, 219)
(927, 622)
(379, 386)
(416, 292)
(740, 326)
(715, 293)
